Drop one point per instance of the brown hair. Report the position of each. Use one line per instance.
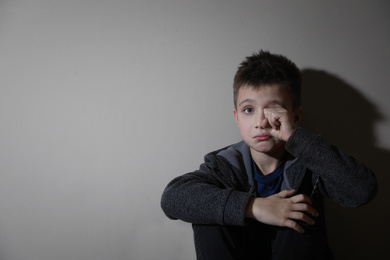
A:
(264, 68)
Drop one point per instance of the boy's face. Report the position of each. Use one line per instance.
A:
(254, 125)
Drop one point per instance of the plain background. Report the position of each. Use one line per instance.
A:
(102, 103)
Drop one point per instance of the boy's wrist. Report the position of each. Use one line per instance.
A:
(299, 141)
(249, 209)
(289, 134)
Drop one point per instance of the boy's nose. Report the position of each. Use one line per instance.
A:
(262, 122)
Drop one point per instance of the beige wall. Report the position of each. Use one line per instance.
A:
(103, 102)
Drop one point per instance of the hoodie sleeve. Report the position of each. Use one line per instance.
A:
(215, 194)
(342, 177)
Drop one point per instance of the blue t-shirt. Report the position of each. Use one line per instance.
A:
(269, 184)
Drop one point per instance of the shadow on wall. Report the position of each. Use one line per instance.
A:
(335, 110)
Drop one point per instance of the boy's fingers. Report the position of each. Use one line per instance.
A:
(273, 120)
(294, 225)
(286, 193)
(280, 121)
(303, 207)
(301, 198)
(302, 217)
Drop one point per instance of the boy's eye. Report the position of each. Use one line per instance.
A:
(248, 110)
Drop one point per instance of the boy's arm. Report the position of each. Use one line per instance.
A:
(216, 194)
(342, 177)
(206, 197)
(212, 195)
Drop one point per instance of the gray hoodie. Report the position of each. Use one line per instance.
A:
(220, 190)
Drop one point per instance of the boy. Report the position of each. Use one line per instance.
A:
(262, 198)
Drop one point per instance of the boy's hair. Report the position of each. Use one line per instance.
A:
(264, 68)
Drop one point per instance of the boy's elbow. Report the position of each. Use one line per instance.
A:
(364, 195)
(166, 204)
(371, 191)
(163, 203)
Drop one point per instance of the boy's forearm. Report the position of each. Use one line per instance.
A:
(191, 199)
(343, 178)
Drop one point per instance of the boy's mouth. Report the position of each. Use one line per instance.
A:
(262, 137)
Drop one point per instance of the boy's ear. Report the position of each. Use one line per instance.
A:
(235, 114)
(298, 116)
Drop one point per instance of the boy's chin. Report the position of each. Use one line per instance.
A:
(269, 148)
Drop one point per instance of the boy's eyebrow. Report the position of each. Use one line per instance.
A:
(247, 100)
(276, 102)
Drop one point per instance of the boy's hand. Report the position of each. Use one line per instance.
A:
(280, 122)
(282, 209)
